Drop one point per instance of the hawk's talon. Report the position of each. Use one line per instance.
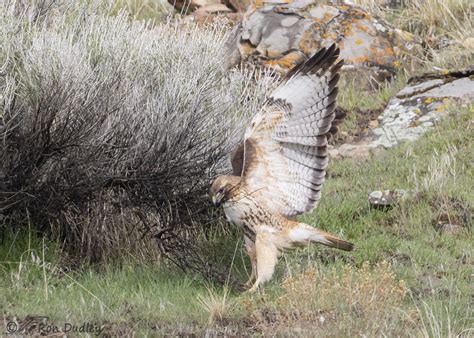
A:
(253, 288)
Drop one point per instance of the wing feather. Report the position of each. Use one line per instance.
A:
(285, 147)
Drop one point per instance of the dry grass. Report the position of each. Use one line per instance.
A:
(343, 302)
(217, 304)
(441, 170)
(152, 10)
(446, 27)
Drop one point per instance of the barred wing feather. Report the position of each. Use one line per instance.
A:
(285, 147)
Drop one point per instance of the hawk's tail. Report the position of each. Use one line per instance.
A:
(303, 233)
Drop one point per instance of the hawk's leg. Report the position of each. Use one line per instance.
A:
(251, 251)
(267, 258)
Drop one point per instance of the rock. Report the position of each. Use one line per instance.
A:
(347, 150)
(413, 111)
(202, 3)
(205, 11)
(385, 198)
(450, 229)
(210, 13)
(418, 106)
(373, 124)
(238, 5)
(201, 8)
(281, 33)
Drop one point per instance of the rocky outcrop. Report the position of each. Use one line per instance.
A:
(414, 110)
(422, 103)
(281, 33)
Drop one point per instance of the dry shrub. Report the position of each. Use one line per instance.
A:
(344, 302)
(110, 128)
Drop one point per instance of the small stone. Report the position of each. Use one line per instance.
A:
(373, 124)
(450, 229)
(424, 118)
(384, 198)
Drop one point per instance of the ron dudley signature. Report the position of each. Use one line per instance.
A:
(41, 326)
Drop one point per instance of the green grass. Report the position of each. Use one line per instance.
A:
(436, 267)
(153, 11)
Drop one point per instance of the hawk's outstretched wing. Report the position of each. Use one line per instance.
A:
(285, 153)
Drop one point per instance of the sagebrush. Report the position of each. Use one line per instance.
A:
(111, 128)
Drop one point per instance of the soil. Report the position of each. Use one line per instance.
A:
(365, 121)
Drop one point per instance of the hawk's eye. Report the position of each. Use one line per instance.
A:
(221, 191)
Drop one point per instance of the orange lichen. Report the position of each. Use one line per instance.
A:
(258, 4)
(359, 59)
(330, 35)
(308, 44)
(328, 17)
(348, 31)
(388, 51)
(363, 27)
(273, 53)
(246, 48)
(288, 61)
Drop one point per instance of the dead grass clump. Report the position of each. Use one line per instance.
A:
(218, 306)
(440, 173)
(343, 302)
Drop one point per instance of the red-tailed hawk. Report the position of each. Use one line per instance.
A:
(280, 168)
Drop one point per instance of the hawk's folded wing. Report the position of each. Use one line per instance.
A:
(285, 153)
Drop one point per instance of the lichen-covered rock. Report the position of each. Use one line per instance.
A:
(281, 33)
(413, 111)
(385, 198)
(200, 6)
(208, 13)
(422, 103)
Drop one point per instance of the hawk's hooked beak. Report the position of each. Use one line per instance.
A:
(217, 199)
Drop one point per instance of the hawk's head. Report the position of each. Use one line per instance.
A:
(222, 188)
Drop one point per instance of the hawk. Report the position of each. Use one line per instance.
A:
(279, 168)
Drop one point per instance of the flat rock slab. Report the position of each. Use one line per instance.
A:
(414, 110)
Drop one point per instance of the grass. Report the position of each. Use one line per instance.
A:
(406, 277)
(445, 28)
(154, 11)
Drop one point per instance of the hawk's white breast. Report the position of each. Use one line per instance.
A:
(236, 212)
